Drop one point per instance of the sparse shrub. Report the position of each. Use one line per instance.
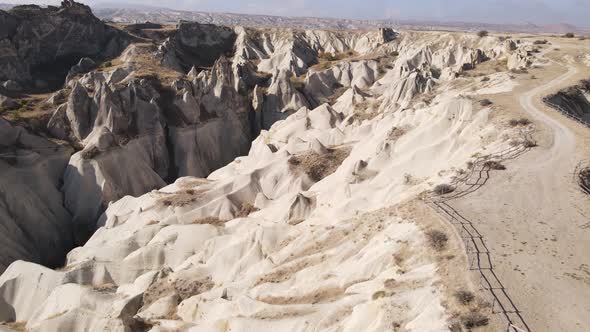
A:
(519, 122)
(455, 327)
(519, 71)
(246, 209)
(298, 83)
(395, 53)
(209, 221)
(485, 102)
(524, 121)
(318, 166)
(483, 33)
(485, 79)
(464, 297)
(584, 179)
(378, 295)
(443, 189)
(495, 165)
(437, 239)
(475, 319)
(107, 64)
(15, 114)
(294, 161)
(181, 198)
(540, 42)
(529, 143)
(569, 35)
(90, 153)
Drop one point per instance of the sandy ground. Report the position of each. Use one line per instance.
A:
(535, 220)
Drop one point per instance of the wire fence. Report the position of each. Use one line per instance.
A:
(479, 255)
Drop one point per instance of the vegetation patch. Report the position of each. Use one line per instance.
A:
(90, 153)
(246, 210)
(298, 82)
(16, 326)
(214, 221)
(464, 297)
(181, 198)
(474, 319)
(495, 165)
(318, 166)
(485, 102)
(437, 239)
(519, 122)
(584, 180)
(443, 189)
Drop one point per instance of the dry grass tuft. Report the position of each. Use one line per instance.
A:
(495, 165)
(90, 153)
(106, 288)
(485, 102)
(529, 143)
(437, 239)
(246, 210)
(181, 198)
(378, 295)
(318, 166)
(209, 221)
(474, 319)
(396, 133)
(519, 122)
(464, 297)
(298, 82)
(584, 179)
(16, 326)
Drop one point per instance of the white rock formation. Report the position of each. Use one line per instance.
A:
(299, 234)
(33, 220)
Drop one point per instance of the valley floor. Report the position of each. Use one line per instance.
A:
(534, 217)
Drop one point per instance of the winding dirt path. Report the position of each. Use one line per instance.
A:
(564, 141)
(537, 222)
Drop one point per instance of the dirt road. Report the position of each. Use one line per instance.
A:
(536, 221)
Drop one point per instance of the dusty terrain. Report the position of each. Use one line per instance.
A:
(217, 178)
(533, 215)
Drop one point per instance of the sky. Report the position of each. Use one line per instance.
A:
(485, 11)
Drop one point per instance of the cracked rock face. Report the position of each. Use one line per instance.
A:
(35, 224)
(41, 44)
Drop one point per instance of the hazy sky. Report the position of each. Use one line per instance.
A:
(487, 11)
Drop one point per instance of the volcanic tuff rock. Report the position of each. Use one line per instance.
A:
(35, 224)
(292, 236)
(39, 45)
(193, 103)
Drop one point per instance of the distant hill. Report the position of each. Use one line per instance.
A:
(163, 15)
(131, 13)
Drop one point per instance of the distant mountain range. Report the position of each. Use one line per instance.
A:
(126, 13)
